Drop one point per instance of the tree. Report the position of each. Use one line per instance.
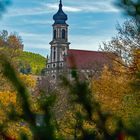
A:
(125, 43)
(11, 46)
(110, 89)
(3, 38)
(10, 41)
(14, 41)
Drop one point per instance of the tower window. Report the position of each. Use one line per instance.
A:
(53, 65)
(54, 77)
(61, 64)
(63, 34)
(54, 34)
(54, 55)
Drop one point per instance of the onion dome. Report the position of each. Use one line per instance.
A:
(60, 17)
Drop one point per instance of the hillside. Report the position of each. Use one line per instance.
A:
(36, 62)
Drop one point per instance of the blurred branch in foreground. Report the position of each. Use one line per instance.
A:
(90, 121)
(3, 5)
(88, 111)
(131, 8)
(44, 131)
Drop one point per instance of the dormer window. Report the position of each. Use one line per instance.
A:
(63, 34)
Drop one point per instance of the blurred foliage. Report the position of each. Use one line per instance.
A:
(87, 117)
(3, 5)
(28, 116)
(131, 8)
(126, 45)
(110, 90)
(90, 121)
(8, 100)
(114, 92)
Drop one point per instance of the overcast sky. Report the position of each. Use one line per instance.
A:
(90, 22)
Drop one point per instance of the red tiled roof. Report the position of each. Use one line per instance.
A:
(83, 59)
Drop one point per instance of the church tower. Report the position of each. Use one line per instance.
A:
(59, 44)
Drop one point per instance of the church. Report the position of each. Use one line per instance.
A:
(62, 59)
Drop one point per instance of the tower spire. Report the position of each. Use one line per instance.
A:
(60, 4)
(60, 1)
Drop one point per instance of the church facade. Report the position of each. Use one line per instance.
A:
(62, 59)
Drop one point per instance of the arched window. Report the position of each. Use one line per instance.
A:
(54, 54)
(54, 77)
(63, 34)
(54, 34)
(54, 65)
